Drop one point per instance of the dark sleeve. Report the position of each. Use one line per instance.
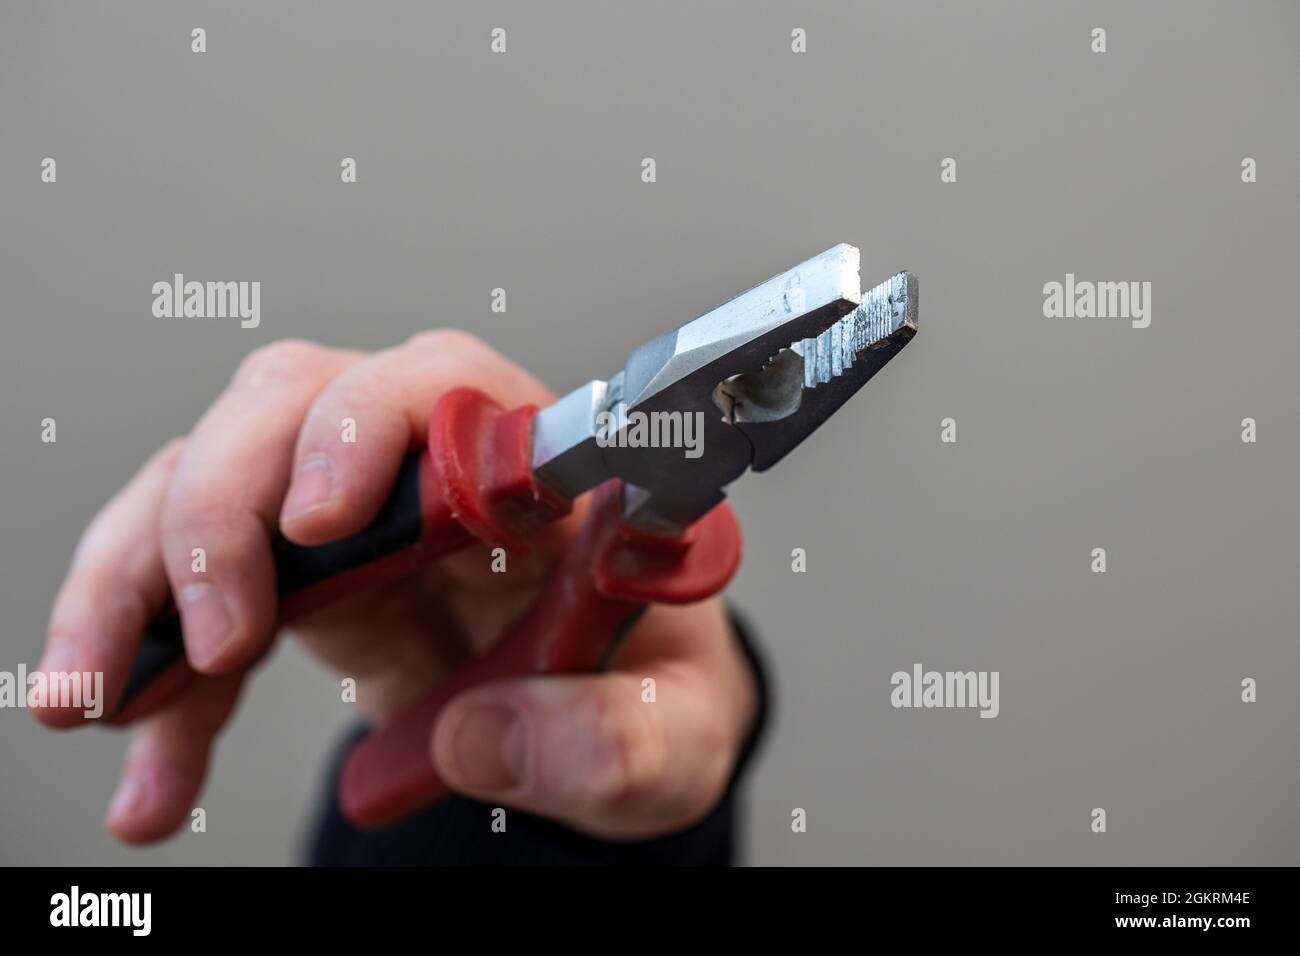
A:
(457, 830)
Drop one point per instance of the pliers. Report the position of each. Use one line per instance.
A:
(758, 374)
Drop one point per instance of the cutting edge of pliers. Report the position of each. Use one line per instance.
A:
(762, 371)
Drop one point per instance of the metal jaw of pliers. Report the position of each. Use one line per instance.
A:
(737, 388)
(758, 373)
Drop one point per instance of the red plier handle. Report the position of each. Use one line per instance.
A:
(473, 482)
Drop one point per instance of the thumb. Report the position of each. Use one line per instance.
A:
(589, 751)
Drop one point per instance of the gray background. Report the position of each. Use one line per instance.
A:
(1118, 690)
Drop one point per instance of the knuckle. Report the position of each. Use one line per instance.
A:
(178, 513)
(99, 537)
(693, 799)
(228, 537)
(446, 340)
(279, 361)
(107, 593)
(709, 785)
(351, 394)
(94, 548)
(716, 744)
(635, 753)
(166, 458)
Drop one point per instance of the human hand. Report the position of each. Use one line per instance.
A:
(267, 456)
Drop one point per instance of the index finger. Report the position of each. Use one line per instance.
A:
(360, 427)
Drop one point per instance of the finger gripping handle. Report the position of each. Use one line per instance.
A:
(472, 481)
(602, 583)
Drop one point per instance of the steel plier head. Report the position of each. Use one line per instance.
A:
(737, 388)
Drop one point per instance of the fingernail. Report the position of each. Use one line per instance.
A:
(207, 623)
(130, 797)
(490, 748)
(312, 485)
